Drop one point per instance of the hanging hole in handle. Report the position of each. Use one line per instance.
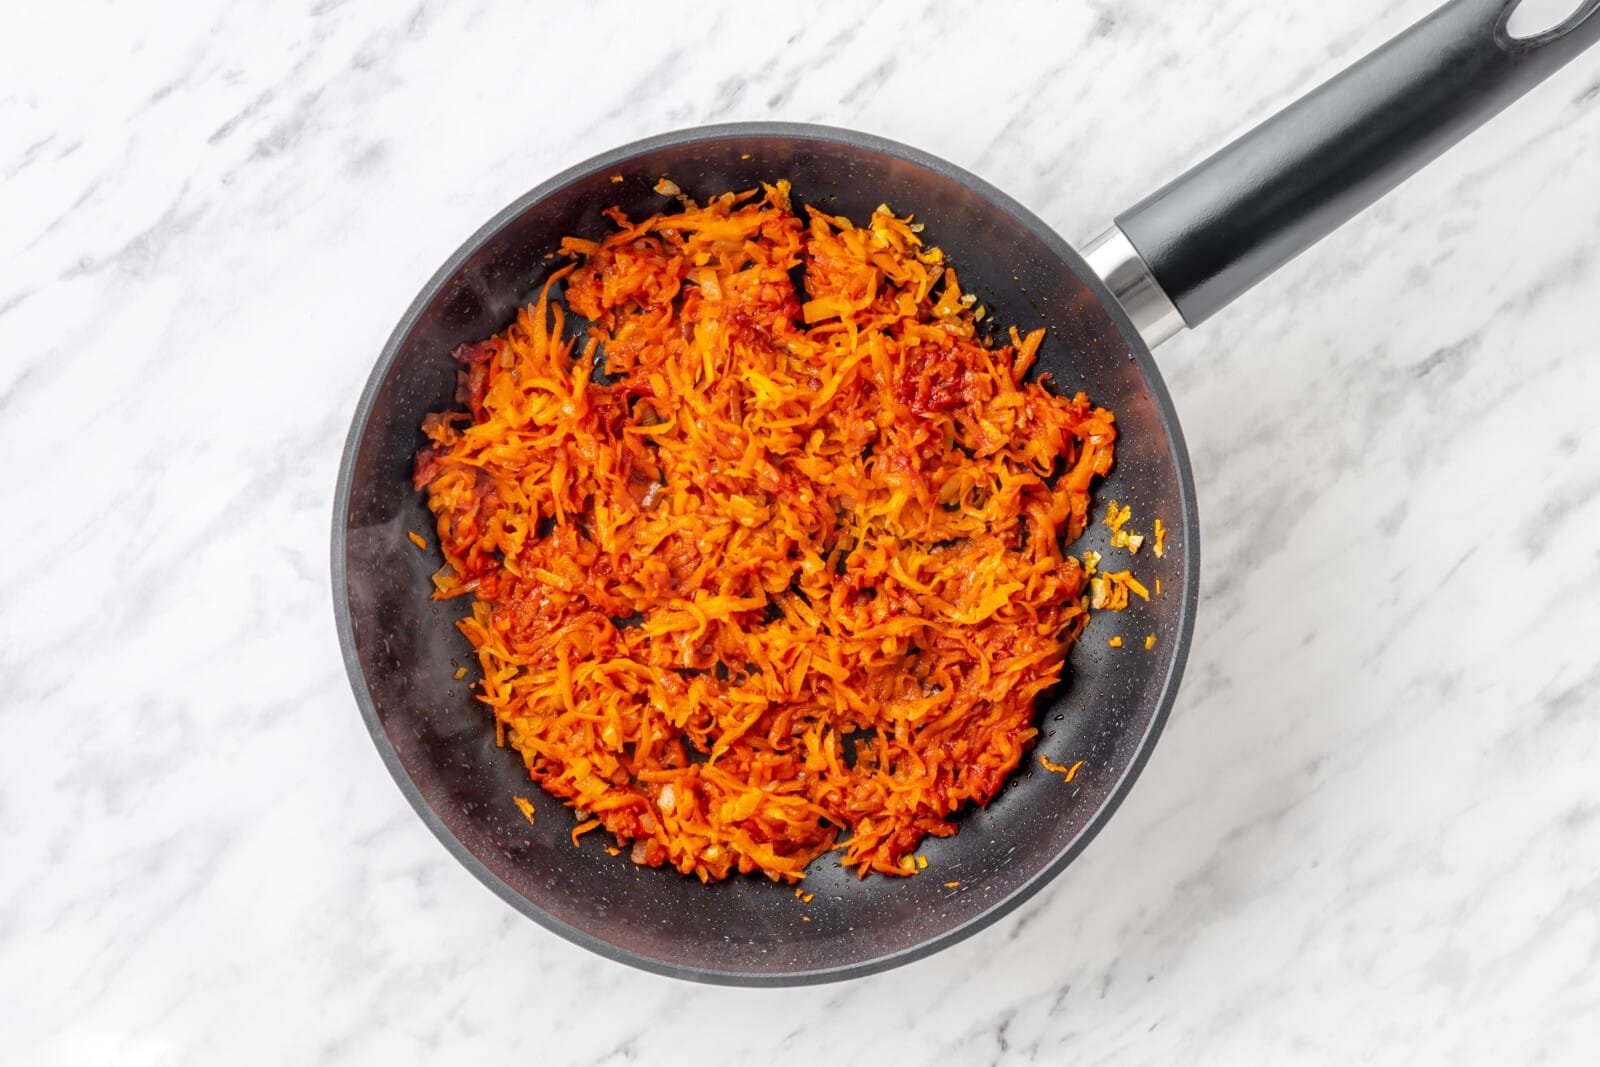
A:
(1535, 18)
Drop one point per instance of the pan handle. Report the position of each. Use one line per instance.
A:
(1182, 254)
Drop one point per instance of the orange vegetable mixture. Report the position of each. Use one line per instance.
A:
(757, 570)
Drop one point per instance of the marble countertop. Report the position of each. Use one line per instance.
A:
(1371, 832)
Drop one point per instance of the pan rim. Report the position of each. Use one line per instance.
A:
(1178, 649)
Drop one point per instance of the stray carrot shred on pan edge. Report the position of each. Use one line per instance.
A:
(789, 575)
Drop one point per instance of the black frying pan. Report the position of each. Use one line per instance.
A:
(1173, 260)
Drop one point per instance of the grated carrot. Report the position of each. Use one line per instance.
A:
(1060, 768)
(417, 539)
(583, 828)
(525, 806)
(765, 526)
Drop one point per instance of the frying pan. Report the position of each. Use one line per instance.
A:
(1171, 261)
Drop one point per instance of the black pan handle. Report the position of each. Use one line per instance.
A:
(1234, 219)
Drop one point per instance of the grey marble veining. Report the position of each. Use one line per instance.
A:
(1371, 833)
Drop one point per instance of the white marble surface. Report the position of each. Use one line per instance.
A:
(1371, 833)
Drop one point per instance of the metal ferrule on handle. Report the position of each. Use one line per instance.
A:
(1193, 247)
(1119, 264)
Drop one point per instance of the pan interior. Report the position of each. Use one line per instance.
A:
(403, 648)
